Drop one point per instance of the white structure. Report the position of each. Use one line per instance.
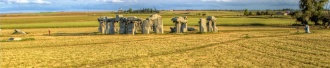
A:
(307, 29)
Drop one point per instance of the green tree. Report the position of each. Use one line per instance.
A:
(267, 12)
(258, 13)
(204, 14)
(130, 10)
(246, 12)
(250, 13)
(312, 10)
(299, 17)
(263, 13)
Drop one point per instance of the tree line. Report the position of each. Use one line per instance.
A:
(247, 13)
(309, 11)
(143, 10)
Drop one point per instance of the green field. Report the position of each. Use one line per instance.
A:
(242, 42)
(80, 19)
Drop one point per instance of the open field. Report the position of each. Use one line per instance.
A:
(252, 41)
(83, 19)
(232, 47)
(167, 22)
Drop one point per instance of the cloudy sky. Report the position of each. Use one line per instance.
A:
(9, 6)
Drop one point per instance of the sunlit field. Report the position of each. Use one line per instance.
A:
(231, 47)
(88, 19)
(75, 42)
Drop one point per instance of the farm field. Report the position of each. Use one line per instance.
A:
(82, 19)
(167, 22)
(240, 46)
(242, 41)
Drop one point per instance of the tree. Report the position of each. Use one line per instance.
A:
(130, 10)
(312, 10)
(263, 13)
(267, 12)
(250, 13)
(198, 14)
(204, 14)
(299, 17)
(246, 12)
(325, 19)
(258, 13)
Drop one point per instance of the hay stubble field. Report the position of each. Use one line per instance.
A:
(232, 46)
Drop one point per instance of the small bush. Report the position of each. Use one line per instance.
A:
(204, 14)
(258, 24)
(297, 25)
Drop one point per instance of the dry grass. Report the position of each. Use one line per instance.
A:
(79, 47)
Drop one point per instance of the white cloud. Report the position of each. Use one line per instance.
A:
(25, 2)
(133, 1)
(80, 0)
(115, 1)
(16, 1)
(217, 0)
(111, 1)
(41, 2)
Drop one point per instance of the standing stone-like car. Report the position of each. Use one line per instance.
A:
(181, 24)
(155, 22)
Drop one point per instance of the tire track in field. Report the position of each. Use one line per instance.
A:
(290, 50)
(123, 60)
(66, 45)
(277, 56)
(301, 46)
(308, 40)
(313, 44)
(253, 51)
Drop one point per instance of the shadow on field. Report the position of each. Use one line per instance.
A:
(308, 62)
(319, 49)
(123, 60)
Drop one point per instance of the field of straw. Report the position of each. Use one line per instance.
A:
(233, 46)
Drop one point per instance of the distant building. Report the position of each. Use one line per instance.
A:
(120, 10)
(279, 13)
(282, 13)
(287, 12)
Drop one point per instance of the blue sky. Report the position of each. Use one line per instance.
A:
(9, 6)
